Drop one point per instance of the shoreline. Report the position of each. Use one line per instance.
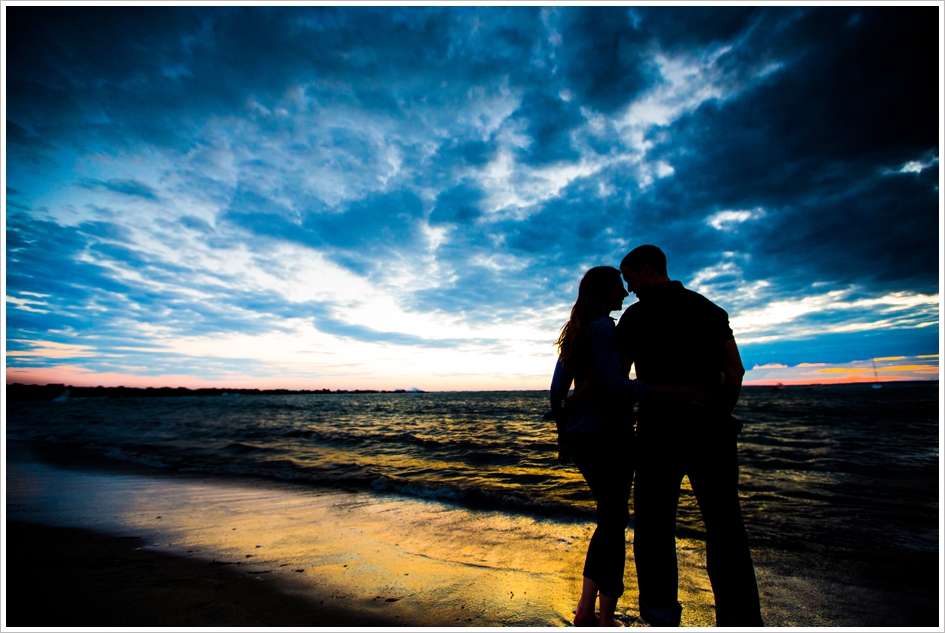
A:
(373, 560)
(399, 561)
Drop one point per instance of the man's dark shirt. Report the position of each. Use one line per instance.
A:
(675, 338)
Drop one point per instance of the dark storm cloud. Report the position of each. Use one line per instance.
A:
(687, 27)
(548, 121)
(82, 73)
(829, 215)
(814, 146)
(156, 74)
(765, 149)
(603, 57)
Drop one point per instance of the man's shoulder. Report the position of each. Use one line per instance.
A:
(705, 311)
(700, 301)
(675, 298)
(632, 312)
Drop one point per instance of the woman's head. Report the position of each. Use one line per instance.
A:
(600, 292)
(601, 289)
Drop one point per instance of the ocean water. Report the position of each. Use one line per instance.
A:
(841, 472)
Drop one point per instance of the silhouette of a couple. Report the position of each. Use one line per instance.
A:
(689, 376)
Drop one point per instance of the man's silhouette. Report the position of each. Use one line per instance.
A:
(676, 337)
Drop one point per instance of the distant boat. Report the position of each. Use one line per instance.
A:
(876, 384)
(779, 387)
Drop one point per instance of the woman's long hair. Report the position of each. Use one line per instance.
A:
(594, 289)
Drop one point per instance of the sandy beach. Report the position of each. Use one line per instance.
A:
(101, 544)
(332, 557)
(67, 577)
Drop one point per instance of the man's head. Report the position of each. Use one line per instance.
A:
(644, 267)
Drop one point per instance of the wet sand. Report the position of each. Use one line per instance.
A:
(123, 546)
(399, 560)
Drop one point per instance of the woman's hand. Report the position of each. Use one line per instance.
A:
(564, 453)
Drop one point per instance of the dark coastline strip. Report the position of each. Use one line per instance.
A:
(17, 392)
(69, 577)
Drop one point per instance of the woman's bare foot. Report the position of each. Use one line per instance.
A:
(612, 621)
(584, 614)
(608, 606)
(586, 619)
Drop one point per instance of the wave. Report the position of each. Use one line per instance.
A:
(473, 494)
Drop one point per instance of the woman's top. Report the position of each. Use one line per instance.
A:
(609, 396)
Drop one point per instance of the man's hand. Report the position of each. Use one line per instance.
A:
(695, 397)
(684, 395)
(732, 374)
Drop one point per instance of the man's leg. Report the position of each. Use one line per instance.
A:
(713, 473)
(655, 497)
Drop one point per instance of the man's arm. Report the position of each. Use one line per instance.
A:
(732, 374)
(580, 394)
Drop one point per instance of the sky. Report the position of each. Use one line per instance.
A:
(391, 197)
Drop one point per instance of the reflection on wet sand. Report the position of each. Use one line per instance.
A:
(426, 562)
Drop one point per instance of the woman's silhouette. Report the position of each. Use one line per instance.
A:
(598, 432)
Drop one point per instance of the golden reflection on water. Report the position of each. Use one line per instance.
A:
(407, 464)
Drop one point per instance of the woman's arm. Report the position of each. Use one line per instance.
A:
(612, 367)
(602, 335)
(576, 399)
(560, 384)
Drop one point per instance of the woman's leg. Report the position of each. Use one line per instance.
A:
(608, 606)
(584, 614)
(605, 458)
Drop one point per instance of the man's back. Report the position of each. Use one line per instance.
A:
(678, 338)
(675, 337)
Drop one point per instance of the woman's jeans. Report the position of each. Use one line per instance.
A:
(605, 456)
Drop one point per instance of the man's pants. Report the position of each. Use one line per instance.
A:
(605, 458)
(711, 461)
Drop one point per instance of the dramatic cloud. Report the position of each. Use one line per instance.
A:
(407, 196)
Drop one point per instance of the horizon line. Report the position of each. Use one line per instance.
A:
(316, 390)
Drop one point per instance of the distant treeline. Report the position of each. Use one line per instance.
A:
(18, 392)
